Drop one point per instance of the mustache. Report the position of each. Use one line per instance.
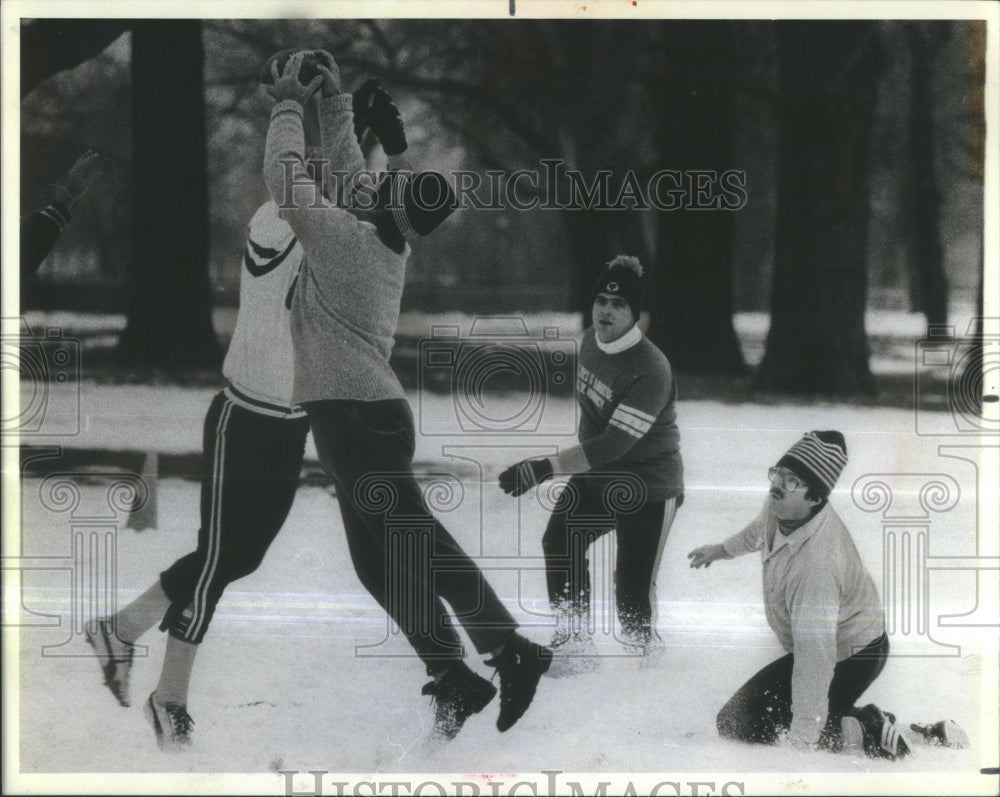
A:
(777, 493)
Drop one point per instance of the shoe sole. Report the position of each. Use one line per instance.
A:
(852, 736)
(122, 697)
(954, 736)
(150, 714)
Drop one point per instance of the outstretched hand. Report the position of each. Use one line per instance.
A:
(285, 84)
(706, 554)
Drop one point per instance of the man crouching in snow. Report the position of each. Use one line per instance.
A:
(822, 604)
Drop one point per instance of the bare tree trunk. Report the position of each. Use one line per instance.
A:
(926, 252)
(976, 33)
(817, 341)
(691, 284)
(170, 313)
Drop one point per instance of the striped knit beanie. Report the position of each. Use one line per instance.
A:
(818, 459)
(418, 202)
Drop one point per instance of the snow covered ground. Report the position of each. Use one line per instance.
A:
(301, 671)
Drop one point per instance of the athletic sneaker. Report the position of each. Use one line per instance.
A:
(521, 663)
(114, 655)
(946, 733)
(882, 738)
(458, 695)
(852, 736)
(171, 722)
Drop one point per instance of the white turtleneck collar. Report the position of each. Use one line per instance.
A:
(626, 341)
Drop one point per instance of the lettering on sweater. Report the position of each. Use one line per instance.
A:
(587, 384)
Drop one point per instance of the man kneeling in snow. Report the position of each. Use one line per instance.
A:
(822, 604)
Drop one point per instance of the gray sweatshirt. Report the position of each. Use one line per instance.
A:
(819, 599)
(346, 303)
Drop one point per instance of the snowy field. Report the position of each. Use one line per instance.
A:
(301, 671)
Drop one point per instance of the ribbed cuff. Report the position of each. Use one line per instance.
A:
(338, 102)
(286, 106)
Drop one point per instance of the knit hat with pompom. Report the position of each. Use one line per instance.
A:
(623, 277)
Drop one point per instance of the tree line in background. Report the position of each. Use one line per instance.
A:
(839, 126)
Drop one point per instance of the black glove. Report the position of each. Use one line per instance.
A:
(520, 478)
(383, 117)
(361, 104)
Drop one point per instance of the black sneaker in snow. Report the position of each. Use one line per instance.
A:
(458, 695)
(882, 738)
(114, 655)
(171, 723)
(521, 664)
(946, 733)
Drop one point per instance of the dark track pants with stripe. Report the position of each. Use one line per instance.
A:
(586, 512)
(761, 709)
(251, 467)
(404, 557)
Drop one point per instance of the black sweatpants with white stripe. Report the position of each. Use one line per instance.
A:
(590, 507)
(761, 709)
(251, 467)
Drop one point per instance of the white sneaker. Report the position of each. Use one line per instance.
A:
(114, 655)
(946, 733)
(171, 723)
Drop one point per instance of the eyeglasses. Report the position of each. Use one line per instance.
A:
(784, 479)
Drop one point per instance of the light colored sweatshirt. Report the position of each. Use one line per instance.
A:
(346, 303)
(819, 600)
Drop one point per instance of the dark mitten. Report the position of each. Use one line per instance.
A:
(361, 105)
(384, 119)
(520, 478)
